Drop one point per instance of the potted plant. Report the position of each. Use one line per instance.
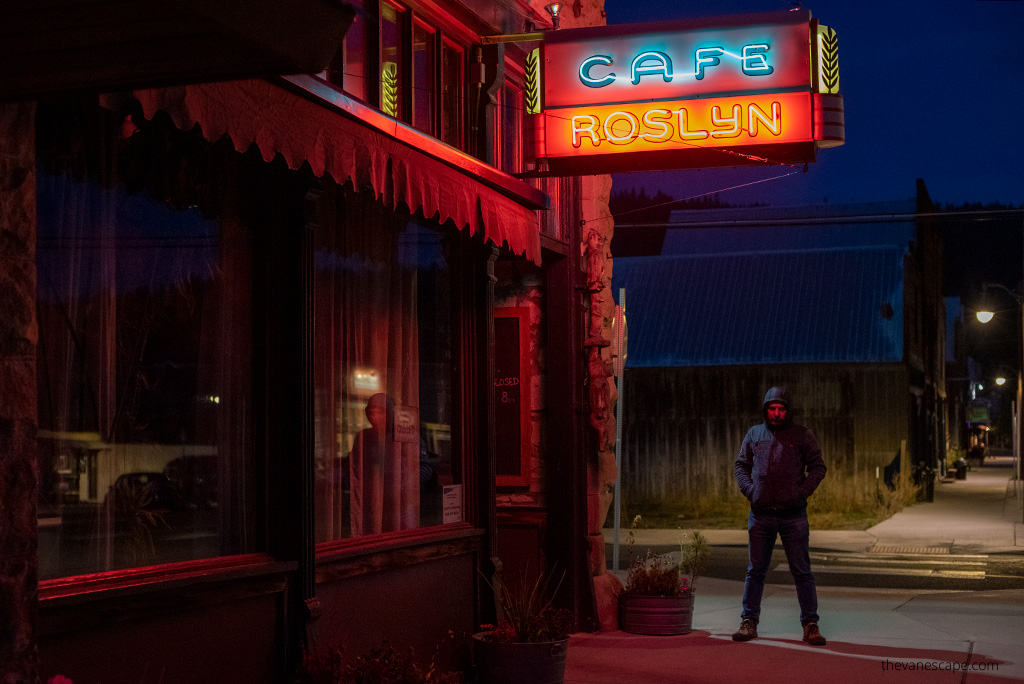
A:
(530, 641)
(658, 596)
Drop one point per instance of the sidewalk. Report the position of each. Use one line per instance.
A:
(875, 635)
(870, 633)
(982, 514)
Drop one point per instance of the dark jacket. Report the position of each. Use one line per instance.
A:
(777, 470)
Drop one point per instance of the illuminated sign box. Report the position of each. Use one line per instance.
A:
(751, 89)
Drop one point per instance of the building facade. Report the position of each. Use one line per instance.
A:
(290, 356)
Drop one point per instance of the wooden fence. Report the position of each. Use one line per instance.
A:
(682, 427)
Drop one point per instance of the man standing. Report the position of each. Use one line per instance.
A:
(778, 468)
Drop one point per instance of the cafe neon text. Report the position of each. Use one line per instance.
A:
(753, 61)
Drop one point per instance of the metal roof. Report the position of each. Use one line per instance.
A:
(797, 306)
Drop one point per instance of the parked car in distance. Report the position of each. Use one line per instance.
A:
(195, 478)
(148, 491)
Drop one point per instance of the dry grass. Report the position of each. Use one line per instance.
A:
(892, 502)
(700, 511)
(835, 506)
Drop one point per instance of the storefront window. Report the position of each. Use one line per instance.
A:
(143, 362)
(382, 372)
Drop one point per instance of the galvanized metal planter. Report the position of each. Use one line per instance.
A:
(518, 663)
(656, 615)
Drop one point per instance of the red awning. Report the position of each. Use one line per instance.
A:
(309, 121)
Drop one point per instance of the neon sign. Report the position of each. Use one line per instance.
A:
(733, 82)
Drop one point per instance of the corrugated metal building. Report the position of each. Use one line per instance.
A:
(849, 315)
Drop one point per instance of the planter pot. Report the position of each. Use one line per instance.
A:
(657, 615)
(501, 663)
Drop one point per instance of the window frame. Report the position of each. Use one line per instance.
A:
(461, 105)
(257, 548)
(433, 76)
(462, 342)
(443, 35)
(515, 79)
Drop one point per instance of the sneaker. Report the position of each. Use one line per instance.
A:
(747, 631)
(812, 635)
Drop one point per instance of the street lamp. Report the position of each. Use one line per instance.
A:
(985, 313)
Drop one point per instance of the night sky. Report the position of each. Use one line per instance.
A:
(933, 89)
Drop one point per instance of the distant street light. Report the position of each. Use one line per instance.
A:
(985, 313)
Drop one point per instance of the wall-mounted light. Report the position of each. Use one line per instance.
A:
(365, 380)
(554, 9)
(985, 316)
(1000, 381)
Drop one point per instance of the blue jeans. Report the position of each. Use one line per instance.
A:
(762, 529)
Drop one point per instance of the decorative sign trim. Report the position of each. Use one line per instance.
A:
(389, 89)
(531, 93)
(828, 60)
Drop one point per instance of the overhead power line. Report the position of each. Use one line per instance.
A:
(970, 215)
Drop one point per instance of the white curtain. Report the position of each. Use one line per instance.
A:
(366, 344)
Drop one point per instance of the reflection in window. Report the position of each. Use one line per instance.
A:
(451, 94)
(511, 129)
(354, 77)
(143, 370)
(424, 64)
(348, 67)
(382, 374)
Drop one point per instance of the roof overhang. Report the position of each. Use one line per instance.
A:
(84, 45)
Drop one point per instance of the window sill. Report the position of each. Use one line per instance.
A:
(128, 582)
(346, 558)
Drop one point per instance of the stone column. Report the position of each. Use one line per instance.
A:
(18, 336)
(597, 233)
(596, 236)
